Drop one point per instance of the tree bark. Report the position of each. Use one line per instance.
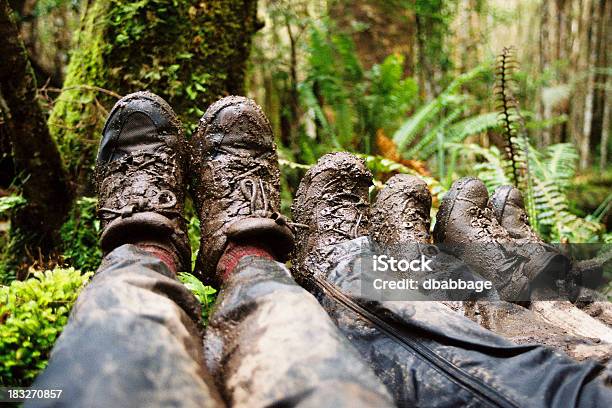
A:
(34, 228)
(189, 52)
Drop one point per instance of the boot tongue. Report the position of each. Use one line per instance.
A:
(138, 133)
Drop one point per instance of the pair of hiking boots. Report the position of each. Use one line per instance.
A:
(144, 164)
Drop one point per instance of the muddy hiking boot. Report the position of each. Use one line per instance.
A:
(140, 170)
(400, 213)
(468, 229)
(509, 208)
(236, 184)
(400, 221)
(400, 224)
(332, 200)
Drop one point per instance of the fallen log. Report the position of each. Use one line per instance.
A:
(525, 326)
(567, 316)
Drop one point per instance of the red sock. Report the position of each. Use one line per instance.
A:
(163, 254)
(234, 253)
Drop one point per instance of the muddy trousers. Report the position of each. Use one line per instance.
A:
(134, 340)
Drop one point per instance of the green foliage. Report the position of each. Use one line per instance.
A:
(10, 203)
(514, 131)
(80, 236)
(390, 96)
(452, 132)
(383, 168)
(193, 231)
(450, 100)
(205, 294)
(33, 313)
(552, 172)
(491, 170)
(434, 18)
(349, 105)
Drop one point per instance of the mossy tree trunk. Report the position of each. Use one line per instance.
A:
(34, 228)
(190, 52)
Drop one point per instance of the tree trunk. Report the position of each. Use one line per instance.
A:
(34, 228)
(390, 29)
(190, 52)
(7, 167)
(605, 135)
(600, 94)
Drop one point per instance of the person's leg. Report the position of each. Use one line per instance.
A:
(268, 341)
(426, 354)
(133, 337)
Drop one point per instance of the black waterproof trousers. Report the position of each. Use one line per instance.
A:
(133, 340)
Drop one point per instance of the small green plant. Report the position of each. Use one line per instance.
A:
(34, 312)
(80, 236)
(205, 294)
(32, 315)
(348, 104)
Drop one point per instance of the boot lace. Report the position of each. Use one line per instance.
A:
(340, 222)
(251, 188)
(162, 201)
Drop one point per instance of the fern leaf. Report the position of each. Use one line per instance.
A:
(561, 163)
(426, 146)
(411, 127)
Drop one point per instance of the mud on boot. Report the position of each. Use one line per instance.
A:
(399, 226)
(508, 207)
(400, 213)
(400, 221)
(467, 228)
(332, 200)
(236, 183)
(140, 170)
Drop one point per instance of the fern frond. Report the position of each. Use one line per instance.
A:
(410, 128)
(491, 170)
(472, 126)
(561, 162)
(507, 107)
(426, 145)
(408, 131)
(514, 130)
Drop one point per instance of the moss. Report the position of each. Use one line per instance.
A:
(189, 52)
(77, 115)
(80, 236)
(33, 314)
